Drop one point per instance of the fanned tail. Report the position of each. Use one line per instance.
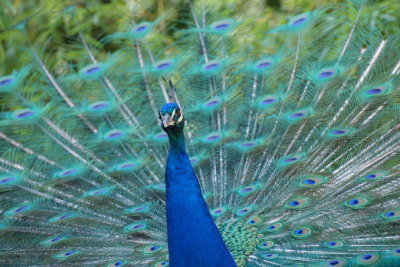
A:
(294, 137)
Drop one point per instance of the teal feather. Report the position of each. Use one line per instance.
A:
(292, 132)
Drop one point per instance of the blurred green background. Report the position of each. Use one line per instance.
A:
(55, 25)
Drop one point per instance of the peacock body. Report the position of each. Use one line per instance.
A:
(293, 136)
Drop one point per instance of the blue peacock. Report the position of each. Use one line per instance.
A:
(278, 149)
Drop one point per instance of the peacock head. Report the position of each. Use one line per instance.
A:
(171, 117)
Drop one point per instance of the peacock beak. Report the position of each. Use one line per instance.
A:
(167, 120)
(171, 120)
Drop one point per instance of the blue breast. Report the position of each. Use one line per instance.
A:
(193, 238)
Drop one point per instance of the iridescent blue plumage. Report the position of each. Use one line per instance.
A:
(193, 237)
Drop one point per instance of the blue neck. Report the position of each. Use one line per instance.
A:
(193, 238)
(177, 143)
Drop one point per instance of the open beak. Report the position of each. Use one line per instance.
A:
(170, 120)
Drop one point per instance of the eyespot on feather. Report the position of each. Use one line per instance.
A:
(243, 211)
(164, 66)
(92, 71)
(6, 81)
(135, 227)
(211, 67)
(53, 240)
(9, 179)
(368, 259)
(117, 263)
(264, 64)
(269, 256)
(222, 26)
(298, 115)
(152, 249)
(326, 74)
(18, 210)
(300, 21)
(391, 215)
(340, 132)
(297, 203)
(66, 254)
(162, 264)
(301, 232)
(265, 244)
(248, 189)
(357, 202)
(62, 217)
(335, 263)
(273, 228)
(144, 208)
(373, 176)
(310, 181)
(375, 91)
(334, 244)
(218, 212)
(254, 221)
(24, 114)
(291, 159)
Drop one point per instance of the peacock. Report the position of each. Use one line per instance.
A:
(204, 139)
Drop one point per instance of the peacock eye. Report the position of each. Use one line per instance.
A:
(135, 227)
(266, 244)
(391, 215)
(151, 249)
(368, 259)
(222, 26)
(161, 263)
(6, 80)
(301, 232)
(142, 27)
(337, 262)
(7, 180)
(270, 256)
(357, 202)
(334, 244)
(297, 203)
